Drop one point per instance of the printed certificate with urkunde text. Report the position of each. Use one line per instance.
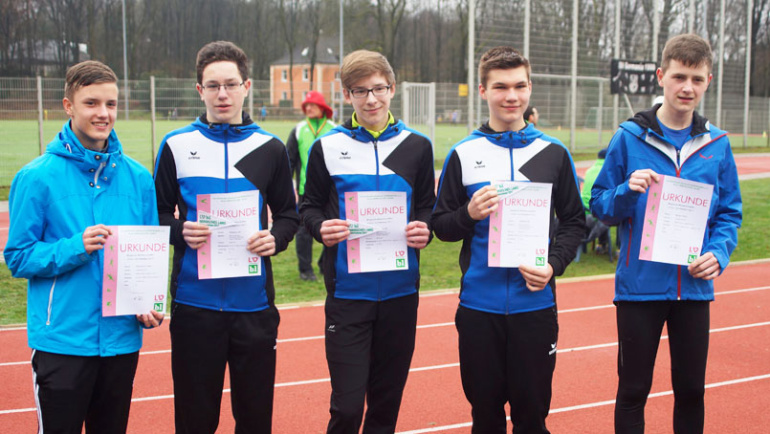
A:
(377, 240)
(232, 219)
(518, 229)
(135, 274)
(675, 220)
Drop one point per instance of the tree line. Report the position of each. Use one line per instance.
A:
(424, 40)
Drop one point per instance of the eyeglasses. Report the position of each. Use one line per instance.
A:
(214, 88)
(360, 92)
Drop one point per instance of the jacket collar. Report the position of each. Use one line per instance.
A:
(509, 139)
(361, 134)
(648, 120)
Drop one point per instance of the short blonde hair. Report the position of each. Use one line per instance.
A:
(361, 64)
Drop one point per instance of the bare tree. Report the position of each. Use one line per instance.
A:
(289, 14)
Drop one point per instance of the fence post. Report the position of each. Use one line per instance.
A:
(251, 101)
(40, 114)
(600, 116)
(152, 120)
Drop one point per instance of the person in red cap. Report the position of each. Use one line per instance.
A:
(317, 123)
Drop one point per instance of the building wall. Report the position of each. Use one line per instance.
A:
(280, 85)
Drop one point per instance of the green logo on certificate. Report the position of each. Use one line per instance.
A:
(400, 263)
(540, 261)
(691, 258)
(157, 307)
(253, 268)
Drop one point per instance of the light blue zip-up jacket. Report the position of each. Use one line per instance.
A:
(706, 157)
(53, 200)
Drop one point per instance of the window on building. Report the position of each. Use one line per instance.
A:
(284, 95)
(305, 74)
(284, 75)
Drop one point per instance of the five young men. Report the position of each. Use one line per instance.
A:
(506, 320)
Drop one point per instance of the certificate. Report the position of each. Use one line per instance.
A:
(377, 239)
(232, 219)
(518, 229)
(675, 220)
(135, 275)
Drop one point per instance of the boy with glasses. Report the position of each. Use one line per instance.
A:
(227, 321)
(669, 139)
(370, 316)
(506, 322)
(61, 203)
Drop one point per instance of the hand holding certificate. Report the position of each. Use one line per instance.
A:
(377, 222)
(135, 276)
(518, 228)
(675, 220)
(232, 219)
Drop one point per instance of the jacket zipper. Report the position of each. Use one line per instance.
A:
(377, 178)
(98, 172)
(227, 190)
(630, 233)
(50, 302)
(508, 271)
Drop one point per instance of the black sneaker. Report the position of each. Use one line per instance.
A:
(307, 276)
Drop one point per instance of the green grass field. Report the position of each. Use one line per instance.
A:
(439, 261)
(19, 141)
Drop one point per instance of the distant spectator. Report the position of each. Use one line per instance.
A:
(585, 194)
(531, 115)
(263, 114)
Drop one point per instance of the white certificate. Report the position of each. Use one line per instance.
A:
(518, 229)
(675, 220)
(378, 222)
(135, 276)
(232, 218)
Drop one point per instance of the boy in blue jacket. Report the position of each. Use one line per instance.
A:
(669, 139)
(61, 203)
(370, 316)
(506, 322)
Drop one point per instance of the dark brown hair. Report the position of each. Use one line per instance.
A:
(502, 57)
(220, 51)
(690, 49)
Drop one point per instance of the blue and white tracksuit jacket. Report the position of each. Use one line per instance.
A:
(53, 200)
(478, 160)
(706, 157)
(205, 158)
(350, 159)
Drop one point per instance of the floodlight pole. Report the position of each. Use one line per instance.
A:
(340, 116)
(125, 61)
(472, 88)
(747, 80)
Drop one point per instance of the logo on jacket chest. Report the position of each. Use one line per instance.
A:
(479, 164)
(344, 155)
(193, 156)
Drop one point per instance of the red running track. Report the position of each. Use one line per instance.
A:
(584, 385)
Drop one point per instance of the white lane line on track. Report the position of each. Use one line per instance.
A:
(589, 405)
(456, 365)
(446, 324)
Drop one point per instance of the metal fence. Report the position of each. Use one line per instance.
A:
(23, 101)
